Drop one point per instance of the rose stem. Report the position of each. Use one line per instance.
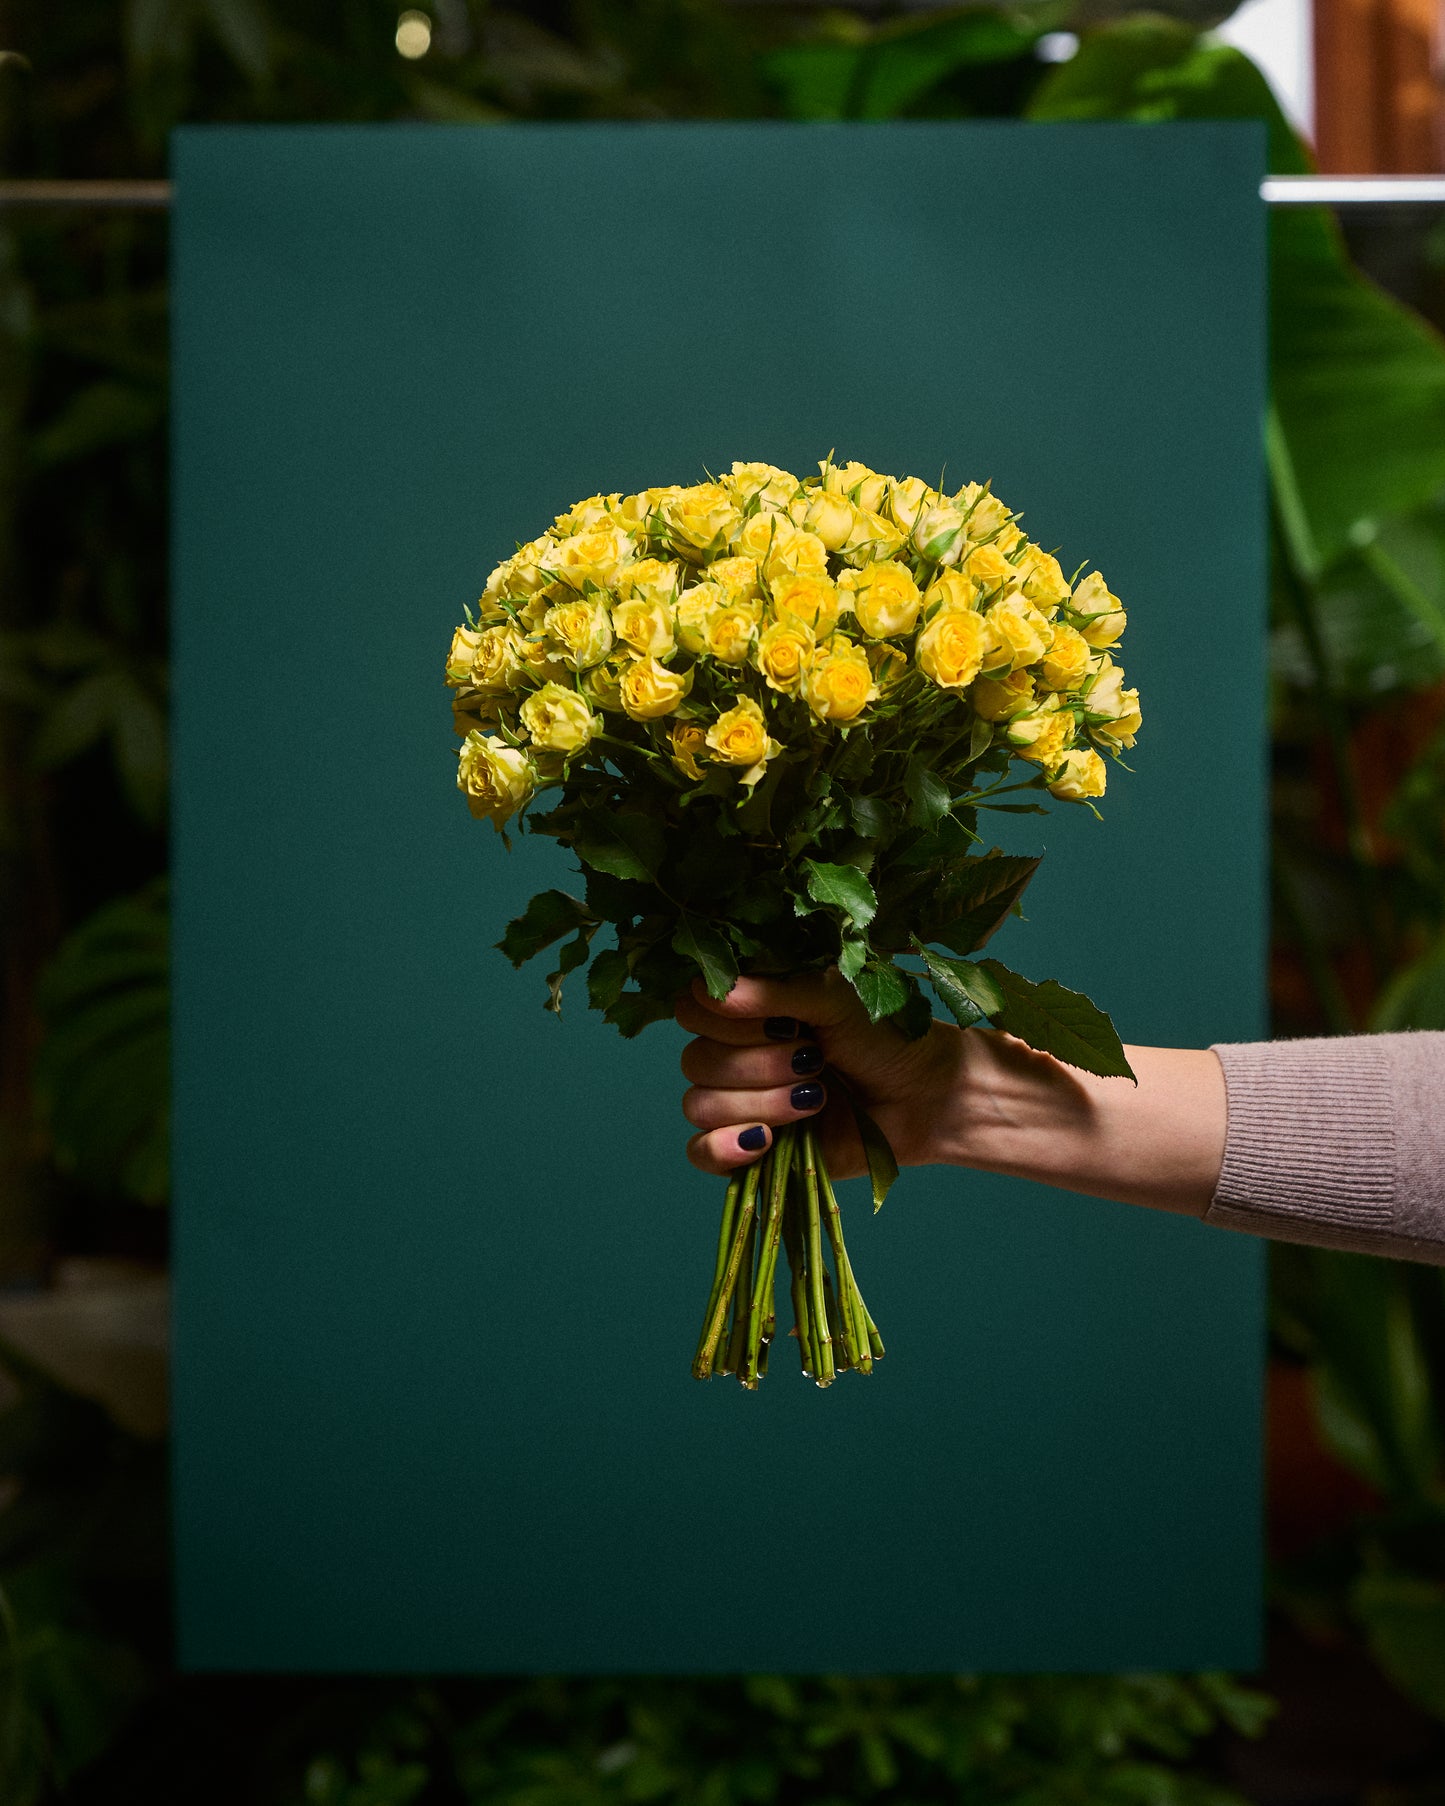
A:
(737, 1342)
(712, 1330)
(835, 1324)
(793, 1242)
(767, 1263)
(850, 1299)
(824, 1372)
(724, 1246)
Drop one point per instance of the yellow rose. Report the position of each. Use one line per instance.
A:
(939, 533)
(1104, 613)
(738, 577)
(701, 521)
(471, 709)
(650, 580)
(1043, 579)
(838, 681)
(495, 778)
(730, 633)
(535, 660)
(650, 690)
(995, 698)
(907, 499)
(1016, 634)
(813, 600)
(1114, 711)
(498, 660)
(829, 516)
(740, 736)
(583, 631)
(1080, 776)
(602, 685)
(889, 664)
(596, 511)
(988, 570)
(558, 719)
(1068, 660)
(872, 540)
(594, 557)
(860, 484)
(689, 744)
(795, 553)
(986, 516)
(774, 488)
(949, 589)
(647, 627)
(950, 648)
(637, 511)
(463, 650)
(783, 652)
(695, 608)
(1042, 736)
(885, 599)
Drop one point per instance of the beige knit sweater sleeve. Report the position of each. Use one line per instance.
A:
(1340, 1143)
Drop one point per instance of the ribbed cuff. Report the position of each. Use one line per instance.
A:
(1311, 1137)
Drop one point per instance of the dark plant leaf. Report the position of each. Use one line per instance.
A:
(606, 977)
(976, 897)
(881, 986)
(968, 991)
(573, 954)
(626, 845)
(1060, 1022)
(550, 915)
(842, 887)
(634, 1010)
(928, 795)
(709, 951)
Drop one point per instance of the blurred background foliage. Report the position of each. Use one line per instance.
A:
(89, 1707)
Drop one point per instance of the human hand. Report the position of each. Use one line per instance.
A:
(763, 1058)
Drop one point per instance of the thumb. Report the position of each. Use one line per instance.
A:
(821, 999)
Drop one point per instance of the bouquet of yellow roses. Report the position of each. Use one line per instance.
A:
(770, 711)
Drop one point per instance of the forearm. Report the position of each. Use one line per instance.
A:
(1160, 1143)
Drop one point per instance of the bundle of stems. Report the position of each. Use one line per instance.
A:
(784, 1200)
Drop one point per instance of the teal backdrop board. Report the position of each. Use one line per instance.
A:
(441, 1264)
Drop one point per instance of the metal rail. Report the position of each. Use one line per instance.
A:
(1275, 191)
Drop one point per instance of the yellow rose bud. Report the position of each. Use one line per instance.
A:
(695, 608)
(813, 600)
(829, 516)
(737, 577)
(1068, 660)
(647, 627)
(1114, 711)
(517, 577)
(1043, 580)
(987, 518)
(996, 698)
(730, 633)
(1104, 617)
(495, 778)
(740, 736)
(795, 553)
(497, 663)
(1042, 736)
(889, 664)
(689, 744)
(949, 589)
(907, 500)
(774, 488)
(594, 557)
(838, 681)
(700, 522)
(641, 510)
(582, 629)
(939, 533)
(1016, 634)
(1080, 776)
(650, 580)
(650, 690)
(872, 540)
(536, 659)
(988, 570)
(885, 599)
(558, 719)
(950, 648)
(596, 511)
(459, 659)
(782, 654)
(860, 484)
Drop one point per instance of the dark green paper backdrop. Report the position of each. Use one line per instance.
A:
(440, 1260)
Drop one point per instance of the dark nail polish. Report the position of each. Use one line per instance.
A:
(806, 1097)
(808, 1059)
(753, 1139)
(781, 1028)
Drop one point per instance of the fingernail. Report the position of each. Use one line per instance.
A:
(753, 1139)
(808, 1059)
(781, 1028)
(806, 1097)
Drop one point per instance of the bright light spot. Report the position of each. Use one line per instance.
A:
(1278, 36)
(1056, 47)
(413, 34)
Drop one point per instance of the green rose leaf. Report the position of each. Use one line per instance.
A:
(634, 1010)
(1059, 1022)
(605, 978)
(877, 1150)
(915, 1018)
(550, 915)
(843, 887)
(709, 951)
(571, 956)
(881, 986)
(872, 817)
(968, 991)
(975, 899)
(627, 845)
(928, 795)
(853, 957)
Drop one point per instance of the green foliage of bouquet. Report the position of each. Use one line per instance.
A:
(749, 786)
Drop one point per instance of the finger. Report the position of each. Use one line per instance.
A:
(737, 1032)
(706, 1108)
(819, 998)
(733, 1068)
(724, 1150)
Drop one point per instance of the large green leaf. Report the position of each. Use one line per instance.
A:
(842, 887)
(974, 899)
(967, 990)
(625, 845)
(710, 953)
(1058, 1021)
(549, 915)
(881, 986)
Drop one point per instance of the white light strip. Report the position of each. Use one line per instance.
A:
(1352, 191)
